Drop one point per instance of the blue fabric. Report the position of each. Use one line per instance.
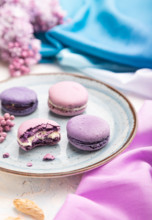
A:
(75, 59)
(117, 31)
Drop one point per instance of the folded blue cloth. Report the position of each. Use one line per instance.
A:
(112, 30)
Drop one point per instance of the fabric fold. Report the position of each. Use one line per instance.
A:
(50, 46)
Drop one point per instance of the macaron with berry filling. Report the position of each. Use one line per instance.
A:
(38, 132)
(88, 132)
(67, 98)
(19, 101)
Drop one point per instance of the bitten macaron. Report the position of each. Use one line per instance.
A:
(88, 132)
(38, 132)
(19, 101)
(67, 98)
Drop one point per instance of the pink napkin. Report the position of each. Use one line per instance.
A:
(121, 189)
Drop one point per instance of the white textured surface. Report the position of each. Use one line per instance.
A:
(49, 194)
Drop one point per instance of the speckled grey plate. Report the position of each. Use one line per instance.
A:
(104, 101)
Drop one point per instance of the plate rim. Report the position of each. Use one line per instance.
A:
(89, 167)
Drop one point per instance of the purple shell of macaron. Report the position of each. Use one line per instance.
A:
(40, 129)
(88, 132)
(19, 101)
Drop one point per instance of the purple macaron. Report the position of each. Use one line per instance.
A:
(38, 132)
(88, 132)
(18, 101)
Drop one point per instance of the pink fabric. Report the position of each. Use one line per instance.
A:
(121, 189)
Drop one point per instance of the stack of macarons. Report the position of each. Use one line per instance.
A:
(66, 98)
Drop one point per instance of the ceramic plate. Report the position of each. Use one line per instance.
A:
(104, 101)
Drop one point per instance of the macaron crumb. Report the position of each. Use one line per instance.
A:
(6, 155)
(29, 164)
(48, 157)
